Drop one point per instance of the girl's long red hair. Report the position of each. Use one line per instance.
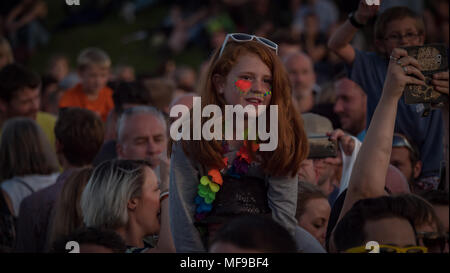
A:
(292, 141)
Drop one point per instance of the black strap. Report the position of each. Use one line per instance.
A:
(25, 184)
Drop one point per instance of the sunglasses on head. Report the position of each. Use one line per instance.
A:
(433, 240)
(243, 37)
(401, 141)
(389, 249)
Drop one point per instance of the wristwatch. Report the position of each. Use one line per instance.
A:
(352, 19)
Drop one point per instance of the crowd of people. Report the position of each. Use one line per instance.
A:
(86, 154)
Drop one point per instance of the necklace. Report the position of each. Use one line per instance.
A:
(210, 184)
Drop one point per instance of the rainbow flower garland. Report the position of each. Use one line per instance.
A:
(210, 184)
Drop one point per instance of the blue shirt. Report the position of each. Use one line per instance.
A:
(369, 71)
(361, 135)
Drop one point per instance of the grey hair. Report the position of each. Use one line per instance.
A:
(104, 202)
(128, 113)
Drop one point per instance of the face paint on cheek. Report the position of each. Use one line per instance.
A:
(243, 86)
(263, 95)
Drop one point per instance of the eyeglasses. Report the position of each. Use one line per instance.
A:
(401, 141)
(389, 249)
(243, 37)
(433, 240)
(410, 36)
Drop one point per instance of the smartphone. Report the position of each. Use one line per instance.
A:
(321, 147)
(433, 58)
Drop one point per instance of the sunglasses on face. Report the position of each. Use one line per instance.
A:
(433, 240)
(389, 249)
(243, 37)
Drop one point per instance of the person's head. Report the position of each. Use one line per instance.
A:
(68, 216)
(317, 169)
(396, 182)
(49, 86)
(93, 68)
(255, 65)
(122, 195)
(185, 78)
(124, 73)
(79, 136)
(405, 156)
(6, 55)
(52, 101)
(252, 234)
(311, 22)
(439, 200)
(129, 94)
(186, 100)
(301, 74)
(350, 105)
(430, 230)
(161, 92)
(313, 210)
(91, 240)
(19, 92)
(142, 135)
(398, 27)
(58, 67)
(25, 150)
(385, 220)
(287, 42)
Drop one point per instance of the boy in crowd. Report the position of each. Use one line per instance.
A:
(394, 28)
(91, 93)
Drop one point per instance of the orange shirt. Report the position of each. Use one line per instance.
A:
(75, 97)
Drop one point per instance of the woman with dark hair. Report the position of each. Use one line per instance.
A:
(27, 164)
(213, 181)
(27, 161)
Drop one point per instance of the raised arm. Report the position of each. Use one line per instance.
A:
(369, 171)
(339, 42)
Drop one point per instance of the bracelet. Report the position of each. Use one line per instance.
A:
(163, 195)
(353, 21)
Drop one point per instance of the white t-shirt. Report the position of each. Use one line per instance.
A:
(18, 188)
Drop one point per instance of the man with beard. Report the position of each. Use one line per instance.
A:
(350, 106)
(20, 96)
(406, 158)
